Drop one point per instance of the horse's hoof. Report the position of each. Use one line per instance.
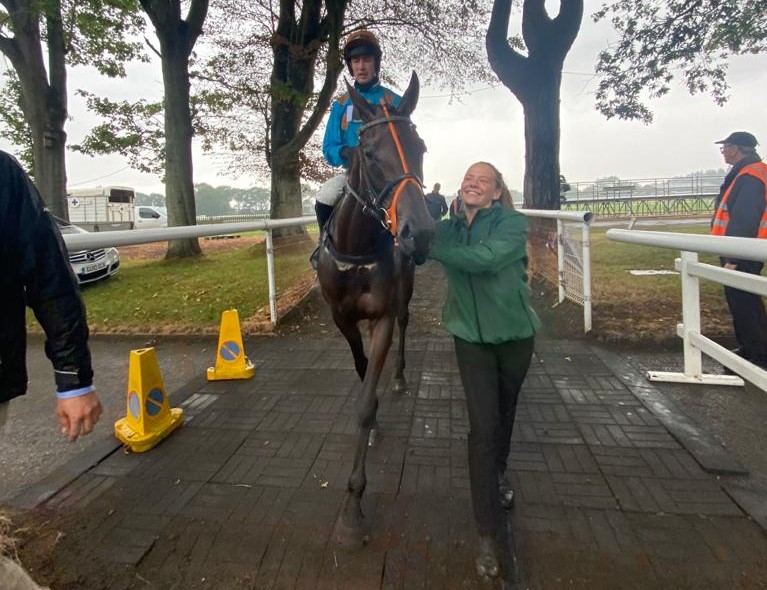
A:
(350, 537)
(487, 562)
(372, 437)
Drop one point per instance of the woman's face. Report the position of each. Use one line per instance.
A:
(478, 188)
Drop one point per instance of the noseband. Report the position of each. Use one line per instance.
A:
(373, 204)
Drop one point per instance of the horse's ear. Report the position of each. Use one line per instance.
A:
(410, 98)
(364, 109)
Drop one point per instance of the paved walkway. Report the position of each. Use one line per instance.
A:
(610, 480)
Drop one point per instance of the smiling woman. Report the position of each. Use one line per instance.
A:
(488, 312)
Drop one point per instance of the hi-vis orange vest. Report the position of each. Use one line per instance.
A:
(722, 214)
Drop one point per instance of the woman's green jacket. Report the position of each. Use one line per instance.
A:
(488, 299)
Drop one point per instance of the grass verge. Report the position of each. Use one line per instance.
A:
(188, 296)
(646, 308)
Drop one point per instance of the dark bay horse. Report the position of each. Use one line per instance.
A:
(366, 262)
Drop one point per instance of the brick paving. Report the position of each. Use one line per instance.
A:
(245, 494)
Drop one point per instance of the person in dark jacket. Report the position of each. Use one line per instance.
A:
(435, 203)
(483, 252)
(36, 272)
(740, 210)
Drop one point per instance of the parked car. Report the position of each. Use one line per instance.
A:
(150, 216)
(90, 265)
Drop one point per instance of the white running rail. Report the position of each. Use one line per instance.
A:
(691, 271)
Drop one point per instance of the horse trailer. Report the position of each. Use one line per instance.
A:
(103, 208)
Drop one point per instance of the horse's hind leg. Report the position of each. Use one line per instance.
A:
(350, 525)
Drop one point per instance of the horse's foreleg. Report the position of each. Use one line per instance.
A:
(400, 385)
(351, 332)
(405, 292)
(349, 529)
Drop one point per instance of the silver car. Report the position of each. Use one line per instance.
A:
(90, 265)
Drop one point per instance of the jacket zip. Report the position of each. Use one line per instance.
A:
(473, 293)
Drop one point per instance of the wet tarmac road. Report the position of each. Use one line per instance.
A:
(31, 446)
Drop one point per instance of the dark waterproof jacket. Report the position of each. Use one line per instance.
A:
(35, 271)
(488, 300)
(436, 205)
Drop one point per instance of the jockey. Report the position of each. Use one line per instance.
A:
(362, 54)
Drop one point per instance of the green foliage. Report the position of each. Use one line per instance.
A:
(660, 37)
(154, 199)
(13, 126)
(222, 200)
(135, 130)
(226, 200)
(102, 33)
(98, 33)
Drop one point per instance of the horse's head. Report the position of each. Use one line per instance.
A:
(390, 162)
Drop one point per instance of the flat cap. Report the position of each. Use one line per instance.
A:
(740, 138)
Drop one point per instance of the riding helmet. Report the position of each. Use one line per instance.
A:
(362, 42)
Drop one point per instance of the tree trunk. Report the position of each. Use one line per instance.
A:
(50, 168)
(296, 44)
(535, 80)
(294, 73)
(177, 38)
(179, 174)
(286, 190)
(541, 186)
(44, 95)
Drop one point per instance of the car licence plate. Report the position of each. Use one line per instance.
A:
(94, 267)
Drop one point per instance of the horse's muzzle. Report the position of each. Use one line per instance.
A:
(415, 240)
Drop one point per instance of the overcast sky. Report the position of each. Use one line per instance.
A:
(488, 125)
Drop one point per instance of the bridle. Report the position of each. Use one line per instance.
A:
(372, 202)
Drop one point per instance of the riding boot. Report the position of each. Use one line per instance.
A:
(323, 213)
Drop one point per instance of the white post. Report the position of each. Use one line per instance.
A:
(689, 331)
(561, 258)
(693, 361)
(586, 239)
(272, 281)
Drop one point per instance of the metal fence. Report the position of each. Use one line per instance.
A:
(649, 197)
(236, 218)
(644, 187)
(638, 206)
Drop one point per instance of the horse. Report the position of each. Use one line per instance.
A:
(377, 233)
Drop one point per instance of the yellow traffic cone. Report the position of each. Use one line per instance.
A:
(231, 362)
(149, 419)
